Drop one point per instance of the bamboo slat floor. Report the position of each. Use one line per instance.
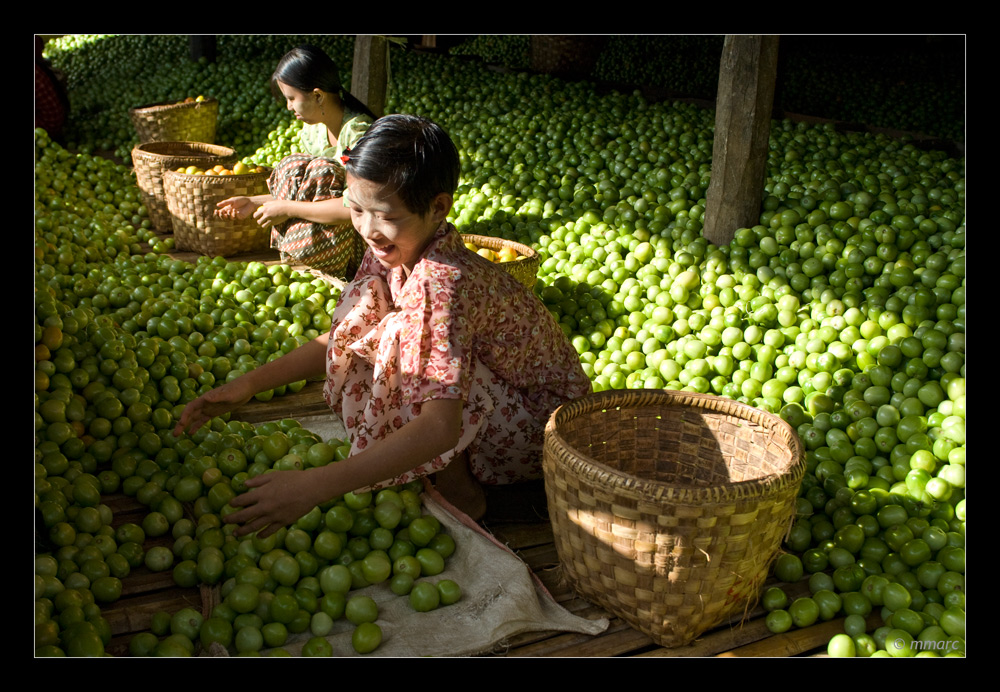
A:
(532, 541)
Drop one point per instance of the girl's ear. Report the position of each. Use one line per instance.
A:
(441, 205)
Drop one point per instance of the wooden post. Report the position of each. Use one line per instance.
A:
(742, 126)
(370, 73)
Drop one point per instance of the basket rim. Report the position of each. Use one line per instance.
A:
(659, 490)
(161, 105)
(212, 176)
(145, 148)
(526, 250)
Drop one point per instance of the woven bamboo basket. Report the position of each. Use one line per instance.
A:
(669, 507)
(151, 159)
(524, 270)
(176, 122)
(192, 200)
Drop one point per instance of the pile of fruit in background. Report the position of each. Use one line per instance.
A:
(843, 309)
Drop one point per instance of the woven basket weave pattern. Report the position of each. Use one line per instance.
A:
(176, 122)
(668, 508)
(151, 159)
(525, 271)
(192, 200)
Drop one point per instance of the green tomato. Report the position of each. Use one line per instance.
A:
(841, 646)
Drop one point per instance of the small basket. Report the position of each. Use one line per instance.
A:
(192, 201)
(524, 270)
(176, 122)
(668, 507)
(151, 159)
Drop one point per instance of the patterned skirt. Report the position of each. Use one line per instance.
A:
(336, 250)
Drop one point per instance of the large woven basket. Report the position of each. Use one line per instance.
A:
(151, 159)
(669, 507)
(176, 122)
(192, 201)
(524, 270)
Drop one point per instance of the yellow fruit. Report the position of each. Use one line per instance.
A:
(507, 254)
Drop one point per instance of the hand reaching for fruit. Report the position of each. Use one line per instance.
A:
(271, 213)
(235, 208)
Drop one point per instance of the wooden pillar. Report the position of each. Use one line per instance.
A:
(742, 126)
(370, 73)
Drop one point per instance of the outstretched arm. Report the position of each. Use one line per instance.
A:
(240, 207)
(279, 498)
(304, 362)
(328, 212)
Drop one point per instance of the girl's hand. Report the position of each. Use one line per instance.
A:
(235, 208)
(275, 499)
(212, 403)
(271, 214)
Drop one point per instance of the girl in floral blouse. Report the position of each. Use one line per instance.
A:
(438, 361)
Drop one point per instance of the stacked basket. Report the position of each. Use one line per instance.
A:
(669, 507)
(193, 121)
(524, 270)
(192, 200)
(152, 159)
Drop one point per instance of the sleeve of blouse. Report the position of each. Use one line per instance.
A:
(435, 353)
(350, 133)
(353, 130)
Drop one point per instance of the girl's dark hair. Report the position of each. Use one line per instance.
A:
(308, 67)
(414, 156)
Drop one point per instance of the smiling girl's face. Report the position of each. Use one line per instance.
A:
(396, 236)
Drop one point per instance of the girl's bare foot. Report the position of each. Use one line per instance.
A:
(459, 487)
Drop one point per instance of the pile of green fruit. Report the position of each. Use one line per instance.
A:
(298, 580)
(906, 83)
(842, 309)
(107, 75)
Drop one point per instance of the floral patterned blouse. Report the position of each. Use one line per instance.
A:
(456, 308)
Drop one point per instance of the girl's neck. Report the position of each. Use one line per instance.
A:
(334, 118)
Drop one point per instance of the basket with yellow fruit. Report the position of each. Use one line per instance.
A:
(151, 159)
(192, 194)
(192, 119)
(517, 259)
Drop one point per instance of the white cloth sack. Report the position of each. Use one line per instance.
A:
(501, 597)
